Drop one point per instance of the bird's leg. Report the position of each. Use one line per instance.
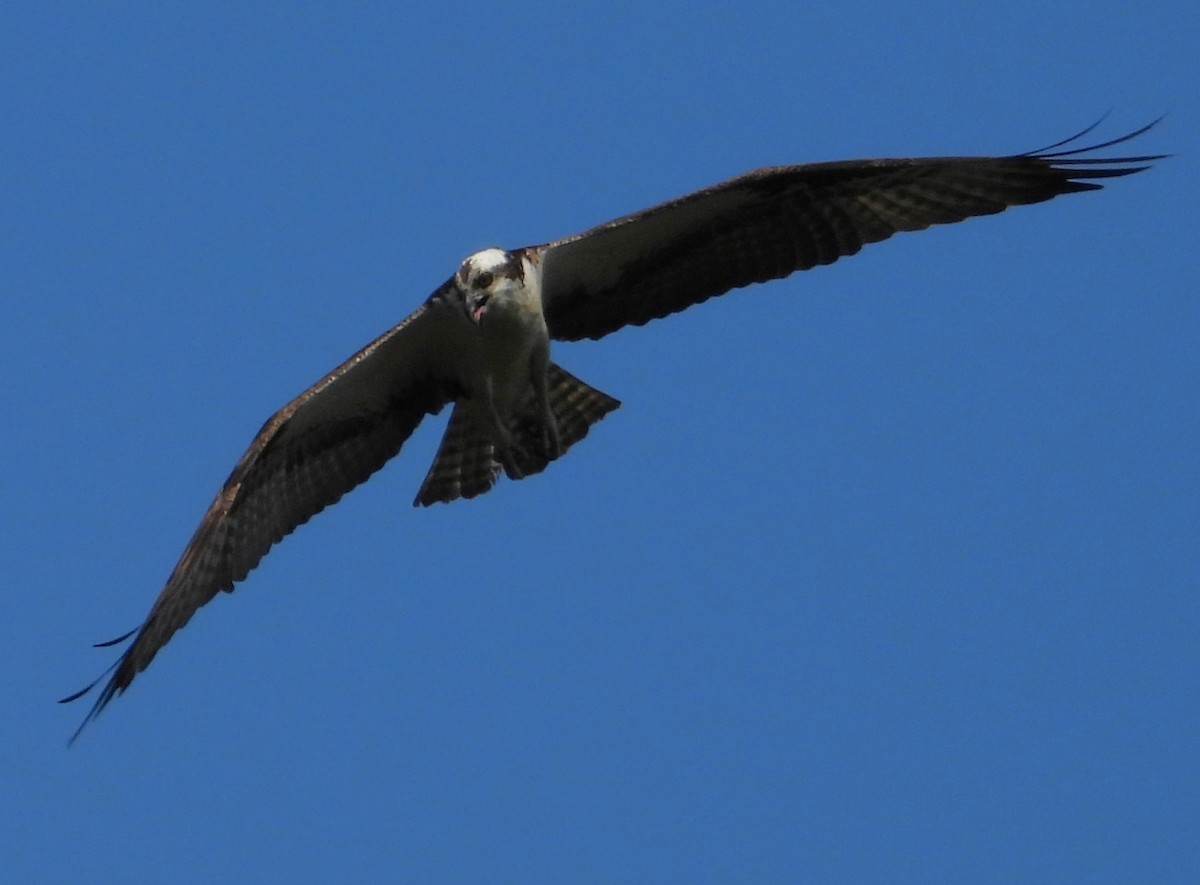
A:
(507, 447)
(551, 442)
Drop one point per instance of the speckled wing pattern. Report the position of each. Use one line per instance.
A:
(775, 221)
(307, 456)
(761, 226)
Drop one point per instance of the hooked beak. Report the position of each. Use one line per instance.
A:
(477, 305)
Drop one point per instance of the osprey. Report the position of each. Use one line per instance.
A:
(481, 341)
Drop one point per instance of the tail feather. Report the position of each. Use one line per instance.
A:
(466, 465)
(576, 406)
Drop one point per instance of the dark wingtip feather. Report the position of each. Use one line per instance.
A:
(110, 690)
(1074, 156)
(118, 640)
(77, 695)
(1040, 152)
(106, 694)
(1046, 152)
(1077, 172)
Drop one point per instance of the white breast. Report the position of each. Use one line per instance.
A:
(513, 339)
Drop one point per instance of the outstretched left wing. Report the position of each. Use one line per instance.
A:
(308, 455)
(773, 222)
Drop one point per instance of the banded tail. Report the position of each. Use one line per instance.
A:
(466, 465)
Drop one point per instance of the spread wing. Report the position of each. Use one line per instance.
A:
(773, 222)
(315, 449)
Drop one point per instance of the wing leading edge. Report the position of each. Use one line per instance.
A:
(772, 222)
(314, 450)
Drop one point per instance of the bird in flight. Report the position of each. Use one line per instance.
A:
(481, 342)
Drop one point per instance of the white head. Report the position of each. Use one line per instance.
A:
(492, 273)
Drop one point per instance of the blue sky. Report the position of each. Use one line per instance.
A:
(886, 571)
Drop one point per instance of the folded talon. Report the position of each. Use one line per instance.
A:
(512, 454)
(551, 441)
(511, 467)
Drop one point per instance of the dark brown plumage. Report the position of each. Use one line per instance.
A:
(761, 226)
(772, 222)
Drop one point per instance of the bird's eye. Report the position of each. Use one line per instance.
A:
(483, 280)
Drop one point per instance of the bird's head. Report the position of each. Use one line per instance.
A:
(488, 278)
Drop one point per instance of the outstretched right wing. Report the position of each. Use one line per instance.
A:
(772, 222)
(307, 456)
